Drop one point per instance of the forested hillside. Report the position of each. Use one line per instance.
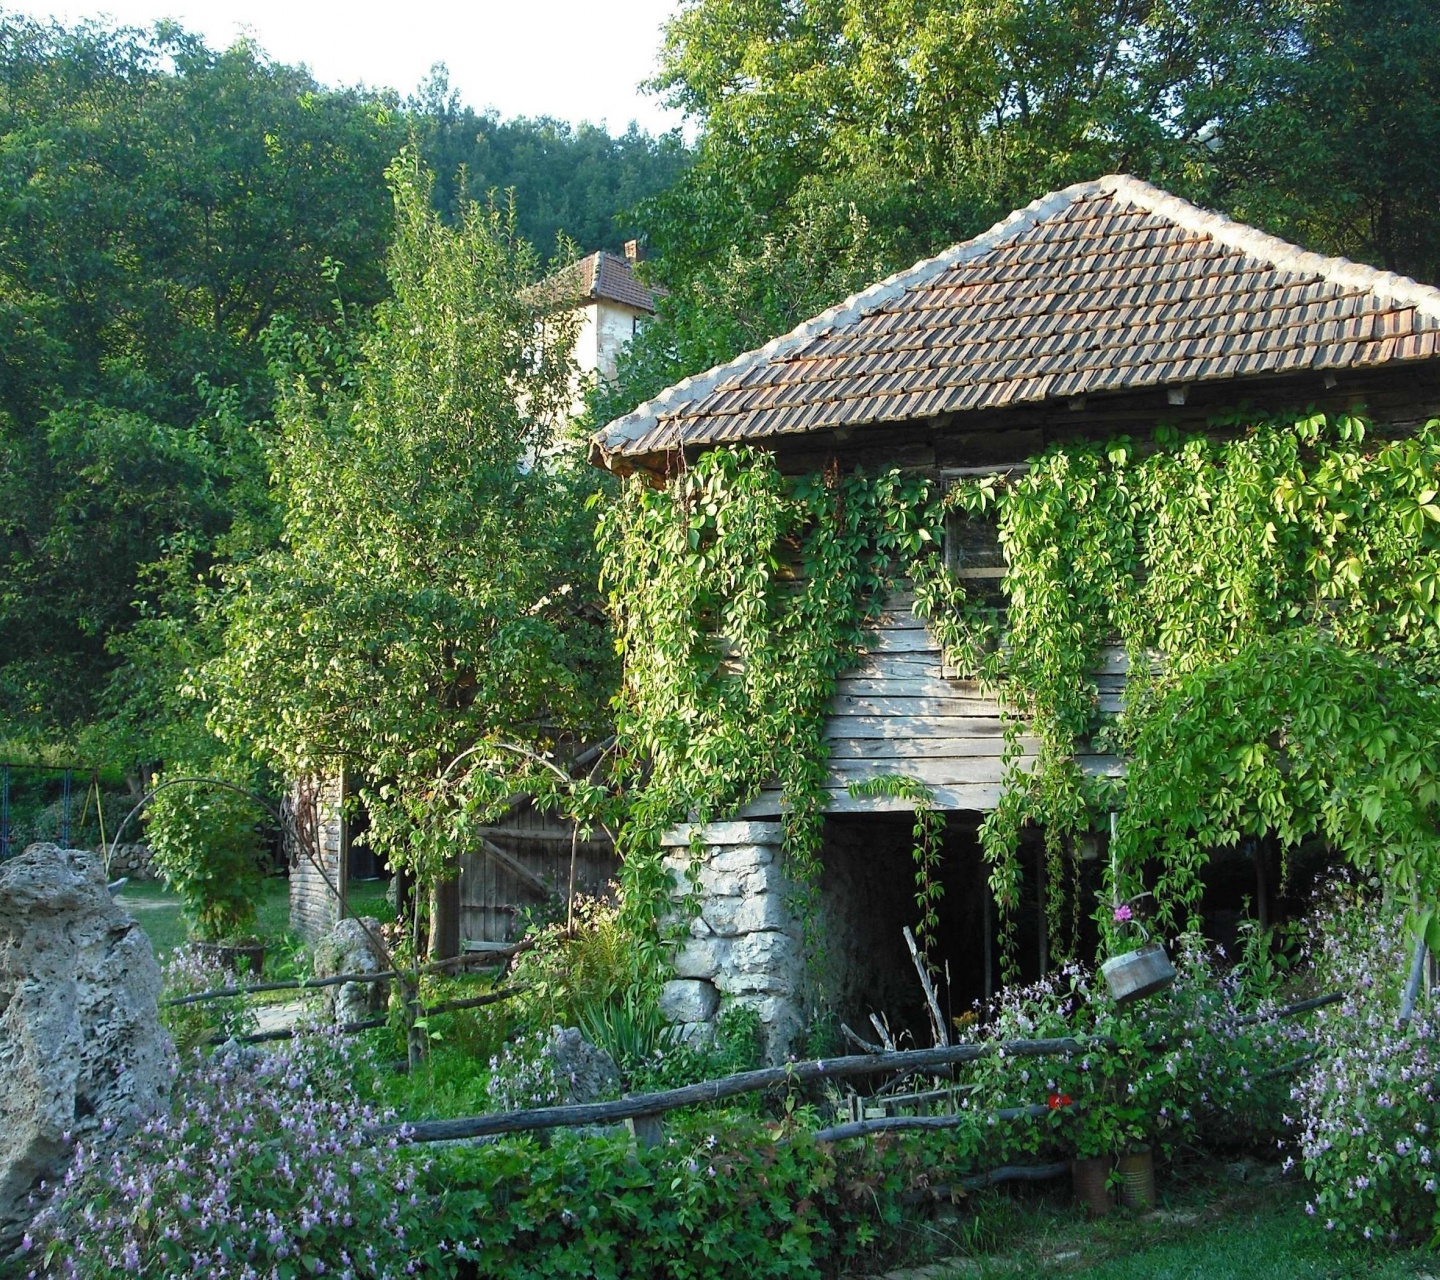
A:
(171, 219)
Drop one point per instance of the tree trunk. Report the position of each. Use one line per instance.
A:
(445, 917)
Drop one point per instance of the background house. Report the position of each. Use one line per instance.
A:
(612, 302)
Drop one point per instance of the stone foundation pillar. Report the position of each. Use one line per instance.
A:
(744, 945)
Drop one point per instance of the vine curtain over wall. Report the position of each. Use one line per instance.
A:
(1275, 583)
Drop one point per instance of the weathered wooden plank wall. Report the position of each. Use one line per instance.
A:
(524, 865)
(901, 711)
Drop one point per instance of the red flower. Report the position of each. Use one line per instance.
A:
(1057, 1100)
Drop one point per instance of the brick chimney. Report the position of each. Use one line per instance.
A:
(633, 252)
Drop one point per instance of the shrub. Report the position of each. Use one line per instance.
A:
(1368, 1107)
(261, 1168)
(1174, 1068)
(735, 1047)
(573, 970)
(207, 844)
(718, 1199)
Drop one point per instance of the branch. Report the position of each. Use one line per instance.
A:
(890, 1124)
(1412, 984)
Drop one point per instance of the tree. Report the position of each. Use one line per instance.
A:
(160, 204)
(1337, 156)
(571, 182)
(434, 587)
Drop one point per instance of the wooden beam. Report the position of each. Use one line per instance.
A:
(545, 836)
(518, 869)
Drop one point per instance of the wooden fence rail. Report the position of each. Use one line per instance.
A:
(497, 954)
(690, 1095)
(906, 1061)
(369, 1024)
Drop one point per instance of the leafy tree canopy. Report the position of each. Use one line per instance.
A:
(433, 589)
(162, 207)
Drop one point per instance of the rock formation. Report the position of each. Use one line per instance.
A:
(347, 948)
(82, 1051)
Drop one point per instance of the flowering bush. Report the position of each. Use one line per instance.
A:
(522, 1075)
(188, 971)
(1369, 1106)
(1196, 1061)
(261, 1169)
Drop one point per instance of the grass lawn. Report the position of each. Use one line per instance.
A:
(1210, 1229)
(159, 914)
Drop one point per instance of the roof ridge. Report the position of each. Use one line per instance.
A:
(1271, 249)
(639, 420)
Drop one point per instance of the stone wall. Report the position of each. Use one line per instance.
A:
(132, 860)
(744, 944)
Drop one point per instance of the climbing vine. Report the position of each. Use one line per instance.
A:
(927, 832)
(1270, 588)
(1256, 578)
(739, 597)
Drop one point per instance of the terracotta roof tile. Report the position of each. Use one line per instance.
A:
(600, 275)
(1102, 287)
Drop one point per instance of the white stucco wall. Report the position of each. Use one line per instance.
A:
(614, 325)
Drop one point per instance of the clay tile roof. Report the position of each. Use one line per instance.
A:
(1105, 286)
(599, 275)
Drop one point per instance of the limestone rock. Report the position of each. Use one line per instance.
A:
(82, 1051)
(738, 832)
(702, 957)
(347, 948)
(781, 1021)
(689, 1000)
(759, 913)
(585, 1072)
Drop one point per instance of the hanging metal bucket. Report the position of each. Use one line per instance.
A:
(1138, 973)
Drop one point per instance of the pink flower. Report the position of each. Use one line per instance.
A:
(1123, 913)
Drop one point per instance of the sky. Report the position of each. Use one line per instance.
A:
(572, 59)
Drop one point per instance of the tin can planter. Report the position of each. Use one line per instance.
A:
(1137, 1179)
(1137, 974)
(1091, 1179)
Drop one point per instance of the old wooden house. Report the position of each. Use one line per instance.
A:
(1104, 307)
